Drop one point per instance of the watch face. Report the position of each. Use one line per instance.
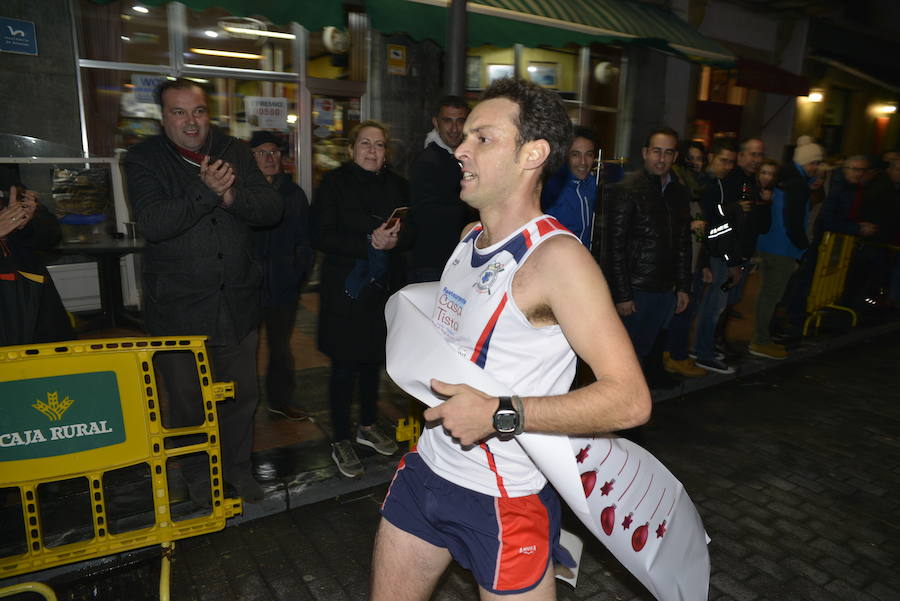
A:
(505, 421)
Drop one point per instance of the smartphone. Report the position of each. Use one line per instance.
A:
(399, 214)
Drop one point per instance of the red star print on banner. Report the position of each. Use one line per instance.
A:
(582, 454)
(626, 523)
(606, 488)
(661, 531)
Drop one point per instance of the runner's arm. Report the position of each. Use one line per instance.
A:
(562, 275)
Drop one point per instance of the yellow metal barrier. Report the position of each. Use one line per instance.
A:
(91, 460)
(835, 254)
(409, 429)
(29, 587)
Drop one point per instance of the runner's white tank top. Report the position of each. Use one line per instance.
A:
(478, 317)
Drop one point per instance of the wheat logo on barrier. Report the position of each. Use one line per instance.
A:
(53, 408)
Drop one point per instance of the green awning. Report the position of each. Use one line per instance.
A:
(551, 23)
(311, 14)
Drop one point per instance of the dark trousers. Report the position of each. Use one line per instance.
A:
(798, 288)
(344, 376)
(280, 322)
(679, 338)
(653, 310)
(184, 405)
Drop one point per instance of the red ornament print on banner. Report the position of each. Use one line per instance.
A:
(588, 480)
(608, 519)
(639, 538)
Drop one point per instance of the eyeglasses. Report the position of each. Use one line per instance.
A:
(266, 153)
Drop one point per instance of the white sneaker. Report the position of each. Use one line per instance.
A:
(374, 438)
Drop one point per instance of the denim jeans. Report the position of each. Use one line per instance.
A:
(653, 310)
(679, 338)
(710, 308)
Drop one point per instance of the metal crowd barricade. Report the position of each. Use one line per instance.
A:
(832, 265)
(91, 461)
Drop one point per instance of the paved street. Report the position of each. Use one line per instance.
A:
(795, 469)
(795, 472)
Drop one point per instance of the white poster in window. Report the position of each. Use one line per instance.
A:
(323, 111)
(266, 112)
(144, 86)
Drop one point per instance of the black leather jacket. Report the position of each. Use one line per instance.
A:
(647, 242)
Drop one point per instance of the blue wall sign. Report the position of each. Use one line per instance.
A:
(17, 36)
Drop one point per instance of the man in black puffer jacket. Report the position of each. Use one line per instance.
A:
(195, 193)
(647, 245)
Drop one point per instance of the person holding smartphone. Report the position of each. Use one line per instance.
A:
(362, 237)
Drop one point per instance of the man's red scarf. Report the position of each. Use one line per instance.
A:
(194, 158)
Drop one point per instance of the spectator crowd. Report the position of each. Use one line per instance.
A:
(231, 242)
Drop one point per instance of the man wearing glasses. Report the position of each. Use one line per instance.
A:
(286, 257)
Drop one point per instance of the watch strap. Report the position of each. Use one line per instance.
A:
(519, 406)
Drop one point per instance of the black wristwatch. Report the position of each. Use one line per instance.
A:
(508, 418)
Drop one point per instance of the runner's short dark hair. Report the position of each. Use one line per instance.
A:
(542, 116)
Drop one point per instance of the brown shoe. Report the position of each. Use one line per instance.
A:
(682, 367)
(290, 412)
(768, 351)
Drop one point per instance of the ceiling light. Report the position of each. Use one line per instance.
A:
(125, 38)
(225, 53)
(816, 97)
(210, 33)
(140, 9)
(886, 109)
(259, 32)
(198, 79)
(292, 118)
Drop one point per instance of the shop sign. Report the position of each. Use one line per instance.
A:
(396, 61)
(324, 111)
(58, 415)
(144, 86)
(267, 112)
(18, 36)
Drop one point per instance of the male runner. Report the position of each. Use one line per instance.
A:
(519, 297)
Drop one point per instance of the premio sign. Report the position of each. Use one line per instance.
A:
(46, 417)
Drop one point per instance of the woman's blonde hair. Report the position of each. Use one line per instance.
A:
(354, 133)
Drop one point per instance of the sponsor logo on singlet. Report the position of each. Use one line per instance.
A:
(488, 277)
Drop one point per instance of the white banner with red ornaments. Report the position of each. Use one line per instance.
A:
(621, 492)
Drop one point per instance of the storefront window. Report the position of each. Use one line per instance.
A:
(332, 119)
(215, 38)
(121, 111)
(118, 32)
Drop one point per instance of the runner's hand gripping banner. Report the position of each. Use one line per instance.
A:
(622, 493)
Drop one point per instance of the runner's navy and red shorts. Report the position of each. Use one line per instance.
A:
(507, 543)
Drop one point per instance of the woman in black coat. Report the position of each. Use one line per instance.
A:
(362, 266)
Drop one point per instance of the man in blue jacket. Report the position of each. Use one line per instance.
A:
(570, 194)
